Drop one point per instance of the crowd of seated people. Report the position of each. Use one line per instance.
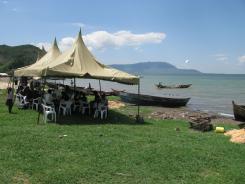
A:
(60, 96)
(29, 93)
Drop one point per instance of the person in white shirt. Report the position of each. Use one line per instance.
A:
(48, 98)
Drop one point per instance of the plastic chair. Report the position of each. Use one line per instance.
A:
(23, 103)
(48, 103)
(85, 106)
(65, 107)
(48, 110)
(102, 110)
(35, 103)
(75, 106)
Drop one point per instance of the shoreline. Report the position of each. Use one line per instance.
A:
(184, 113)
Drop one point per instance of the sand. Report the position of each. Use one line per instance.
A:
(4, 82)
(115, 104)
(237, 136)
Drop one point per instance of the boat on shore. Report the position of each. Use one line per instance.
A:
(149, 100)
(160, 86)
(239, 111)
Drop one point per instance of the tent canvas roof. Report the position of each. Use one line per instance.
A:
(75, 62)
(37, 69)
(79, 62)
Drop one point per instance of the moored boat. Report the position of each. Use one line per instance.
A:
(116, 92)
(239, 111)
(160, 86)
(153, 100)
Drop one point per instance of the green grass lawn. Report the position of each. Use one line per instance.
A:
(113, 151)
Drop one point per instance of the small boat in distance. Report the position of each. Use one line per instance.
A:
(149, 100)
(239, 111)
(160, 86)
(116, 92)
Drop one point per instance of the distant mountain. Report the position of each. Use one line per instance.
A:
(18, 56)
(153, 68)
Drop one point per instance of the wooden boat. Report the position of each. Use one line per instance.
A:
(153, 100)
(116, 92)
(160, 86)
(239, 111)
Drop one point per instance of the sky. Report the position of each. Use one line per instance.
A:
(207, 35)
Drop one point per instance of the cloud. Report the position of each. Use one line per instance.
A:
(46, 45)
(78, 24)
(221, 57)
(4, 2)
(241, 59)
(103, 39)
(66, 43)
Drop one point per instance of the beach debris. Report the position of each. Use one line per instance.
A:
(241, 125)
(219, 129)
(177, 129)
(162, 115)
(201, 123)
(61, 136)
(237, 135)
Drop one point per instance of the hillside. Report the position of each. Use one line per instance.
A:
(18, 56)
(153, 68)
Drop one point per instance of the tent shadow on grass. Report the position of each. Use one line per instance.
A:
(114, 117)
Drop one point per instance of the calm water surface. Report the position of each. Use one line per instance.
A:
(209, 92)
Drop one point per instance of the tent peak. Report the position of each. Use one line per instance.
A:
(79, 36)
(80, 32)
(43, 49)
(55, 42)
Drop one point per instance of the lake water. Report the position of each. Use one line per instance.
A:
(209, 92)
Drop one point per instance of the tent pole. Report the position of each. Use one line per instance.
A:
(13, 82)
(74, 85)
(138, 115)
(100, 86)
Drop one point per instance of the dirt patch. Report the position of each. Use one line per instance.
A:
(21, 178)
(237, 136)
(186, 114)
(115, 104)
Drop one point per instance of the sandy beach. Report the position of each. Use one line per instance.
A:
(4, 82)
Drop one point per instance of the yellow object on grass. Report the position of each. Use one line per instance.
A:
(219, 129)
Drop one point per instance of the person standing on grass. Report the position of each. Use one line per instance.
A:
(9, 101)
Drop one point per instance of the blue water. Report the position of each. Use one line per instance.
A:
(209, 92)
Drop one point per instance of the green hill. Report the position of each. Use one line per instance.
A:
(12, 57)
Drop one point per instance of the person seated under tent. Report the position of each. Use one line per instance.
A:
(104, 100)
(48, 98)
(94, 104)
(84, 103)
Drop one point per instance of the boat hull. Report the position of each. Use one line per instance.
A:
(239, 111)
(173, 87)
(148, 100)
